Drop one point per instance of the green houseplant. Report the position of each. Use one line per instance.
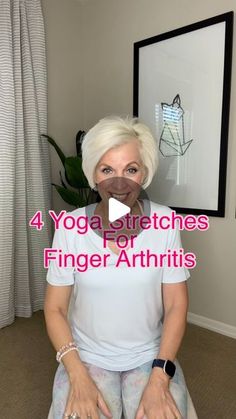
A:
(74, 188)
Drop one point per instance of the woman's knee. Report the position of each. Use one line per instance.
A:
(133, 383)
(108, 383)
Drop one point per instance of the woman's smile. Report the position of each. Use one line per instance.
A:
(120, 197)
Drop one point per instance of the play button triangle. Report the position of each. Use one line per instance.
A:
(116, 209)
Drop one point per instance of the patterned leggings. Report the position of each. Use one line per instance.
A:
(122, 390)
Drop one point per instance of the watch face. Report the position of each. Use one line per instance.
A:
(170, 368)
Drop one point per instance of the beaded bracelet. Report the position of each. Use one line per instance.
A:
(66, 352)
(64, 348)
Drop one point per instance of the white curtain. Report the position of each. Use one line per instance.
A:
(24, 158)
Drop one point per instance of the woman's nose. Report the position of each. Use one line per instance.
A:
(120, 184)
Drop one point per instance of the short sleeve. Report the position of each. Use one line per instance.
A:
(172, 274)
(61, 275)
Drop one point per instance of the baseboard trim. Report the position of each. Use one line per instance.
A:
(215, 326)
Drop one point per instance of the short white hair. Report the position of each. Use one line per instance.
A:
(111, 132)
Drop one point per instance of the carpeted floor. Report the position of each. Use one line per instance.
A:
(27, 367)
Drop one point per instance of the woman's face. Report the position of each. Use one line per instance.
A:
(122, 169)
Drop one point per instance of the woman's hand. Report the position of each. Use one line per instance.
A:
(84, 397)
(157, 401)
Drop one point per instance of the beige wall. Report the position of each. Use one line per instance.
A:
(102, 33)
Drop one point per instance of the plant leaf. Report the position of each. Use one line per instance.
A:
(74, 173)
(57, 148)
(69, 196)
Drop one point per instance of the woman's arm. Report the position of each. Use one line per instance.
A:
(175, 302)
(55, 311)
(84, 395)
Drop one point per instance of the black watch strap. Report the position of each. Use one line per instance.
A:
(167, 366)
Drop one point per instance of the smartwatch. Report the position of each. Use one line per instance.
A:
(167, 366)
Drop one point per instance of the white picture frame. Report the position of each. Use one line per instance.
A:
(182, 92)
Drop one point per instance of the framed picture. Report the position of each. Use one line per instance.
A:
(182, 92)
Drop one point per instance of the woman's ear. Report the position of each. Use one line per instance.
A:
(94, 178)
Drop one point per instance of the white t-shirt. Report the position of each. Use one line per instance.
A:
(116, 315)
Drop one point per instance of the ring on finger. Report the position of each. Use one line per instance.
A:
(74, 415)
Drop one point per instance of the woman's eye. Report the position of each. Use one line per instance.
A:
(132, 170)
(106, 170)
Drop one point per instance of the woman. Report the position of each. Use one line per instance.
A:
(121, 318)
